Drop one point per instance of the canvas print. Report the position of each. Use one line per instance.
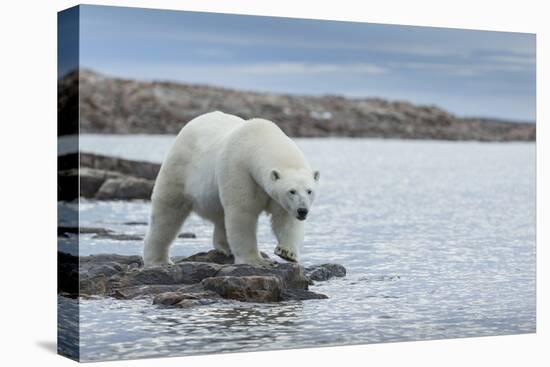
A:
(232, 183)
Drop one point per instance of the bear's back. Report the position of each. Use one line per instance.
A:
(212, 124)
(264, 144)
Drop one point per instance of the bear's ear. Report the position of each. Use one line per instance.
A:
(275, 175)
(316, 175)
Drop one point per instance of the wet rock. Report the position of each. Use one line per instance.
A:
(195, 280)
(212, 256)
(97, 285)
(183, 300)
(143, 291)
(169, 298)
(291, 275)
(118, 236)
(61, 230)
(246, 288)
(96, 272)
(106, 178)
(381, 278)
(325, 272)
(105, 269)
(125, 188)
(183, 273)
(187, 235)
(124, 167)
(91, 180)
(300, 295)
(110, 258)
(99, 233)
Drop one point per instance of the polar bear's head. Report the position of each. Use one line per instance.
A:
(294, 190)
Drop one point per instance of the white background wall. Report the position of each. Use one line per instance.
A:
(28, 184)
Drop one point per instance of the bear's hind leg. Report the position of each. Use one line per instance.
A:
(290, 235)
(165, 223)
(220, 238)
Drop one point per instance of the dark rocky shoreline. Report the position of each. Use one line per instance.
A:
(108, 105)
(200, 279)
(105, 178)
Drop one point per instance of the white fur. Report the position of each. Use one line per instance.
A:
(229, 171)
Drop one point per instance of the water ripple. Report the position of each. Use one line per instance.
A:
(438, 239)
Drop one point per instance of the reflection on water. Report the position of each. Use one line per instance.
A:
(438, 239)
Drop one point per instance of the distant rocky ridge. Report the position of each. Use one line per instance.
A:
(118, 106)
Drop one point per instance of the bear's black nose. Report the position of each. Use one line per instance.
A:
(302, 212)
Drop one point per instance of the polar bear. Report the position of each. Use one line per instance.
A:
(229, 171)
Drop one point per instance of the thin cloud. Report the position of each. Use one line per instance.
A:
(307, 68)
(252, 69)
(468, 70)
(527, 60)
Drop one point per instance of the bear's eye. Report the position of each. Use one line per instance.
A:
(292, 192)
(309, 192)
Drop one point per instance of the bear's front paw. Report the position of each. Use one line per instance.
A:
(286, 254)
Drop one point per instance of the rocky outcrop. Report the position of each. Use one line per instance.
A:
(325, 272)
(124, 188)
(107, 234)
(252, 288)
(123, 167)
(119, 106)
(107, 178)
(200, 279)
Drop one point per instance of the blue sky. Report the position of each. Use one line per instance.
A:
(469, 73)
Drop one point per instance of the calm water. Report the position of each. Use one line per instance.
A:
(438, 239)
